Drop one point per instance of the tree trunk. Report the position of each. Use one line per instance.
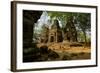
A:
(85, 36)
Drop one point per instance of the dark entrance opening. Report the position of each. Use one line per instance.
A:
(52, 39)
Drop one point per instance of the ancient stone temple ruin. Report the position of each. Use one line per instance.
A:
(70, 32)
(55, 33)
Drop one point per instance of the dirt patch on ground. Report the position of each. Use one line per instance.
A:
(65, 47)
(56, 52)
(67, 52)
